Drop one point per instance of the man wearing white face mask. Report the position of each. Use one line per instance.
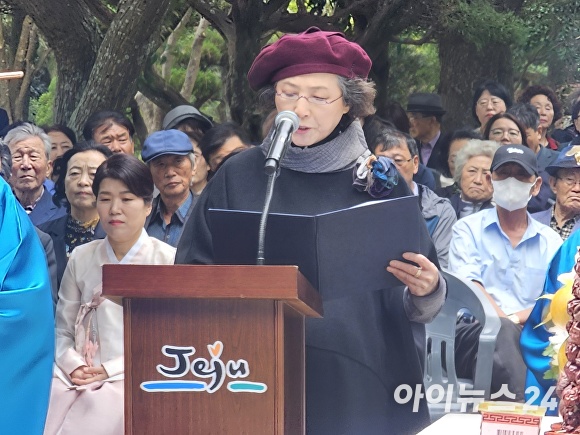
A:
(506, 253)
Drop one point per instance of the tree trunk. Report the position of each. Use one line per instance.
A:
(74, 34)
(121, 58)
(242, 50)
(462, 68)
(5, 101)
(194, 59)
(23, 99)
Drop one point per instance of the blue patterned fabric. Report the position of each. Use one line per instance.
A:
(26, 322)
(533, 341)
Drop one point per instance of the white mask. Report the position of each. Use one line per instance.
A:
(511, 193)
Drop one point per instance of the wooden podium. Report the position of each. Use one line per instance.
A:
(213, 349)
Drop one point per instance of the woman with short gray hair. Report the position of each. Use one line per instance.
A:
(472, 167)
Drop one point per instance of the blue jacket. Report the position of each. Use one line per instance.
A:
(545, 216)
(46, 210)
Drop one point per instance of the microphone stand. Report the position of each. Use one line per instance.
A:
(286, 123)
(264, 217)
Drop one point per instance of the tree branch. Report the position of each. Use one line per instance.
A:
(273, 6)
(194, 59)
(218, 18)
(170, 44)
(100, 11)
(428, 37)
(158, 91)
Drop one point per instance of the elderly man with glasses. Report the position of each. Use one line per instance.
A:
(564, 216)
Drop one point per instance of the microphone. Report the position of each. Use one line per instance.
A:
(286, 122)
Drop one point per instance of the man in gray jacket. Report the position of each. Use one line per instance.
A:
(437, 212)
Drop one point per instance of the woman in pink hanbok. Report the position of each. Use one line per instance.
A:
(87, 389)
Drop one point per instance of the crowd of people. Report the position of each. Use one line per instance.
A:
(497, 198)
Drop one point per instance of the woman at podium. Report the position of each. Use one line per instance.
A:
(87, 390)
(363, 348)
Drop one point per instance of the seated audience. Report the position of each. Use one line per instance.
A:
(506, 254)
(489, 99)
(530, 120)
(169, 156)
(374, 126)
(30, 149)
(200, 175)
(395, 114)
(505, 129)
(62, 139)
(549, 108)
(187, 119)
(472, 176)
(87, 390)
(425, 113)
(74, 190)
(112, 129)
(573, 131)
(564, 216)
(48, 246)
(220, 141)
(457, 140)
(437, 212)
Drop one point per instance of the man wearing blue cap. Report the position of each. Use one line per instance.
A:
(564, 216)
(506, 253)
(169, 155)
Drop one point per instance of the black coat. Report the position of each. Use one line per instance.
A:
(438, 158)
(56, 229)
(48, 246)
(363, 348)
(457, 204)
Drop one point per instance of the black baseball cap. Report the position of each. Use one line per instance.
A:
(519, 154)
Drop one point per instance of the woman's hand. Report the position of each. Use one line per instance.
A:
(422, 278)
(84, 375)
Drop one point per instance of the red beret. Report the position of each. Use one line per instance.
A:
(312, 51)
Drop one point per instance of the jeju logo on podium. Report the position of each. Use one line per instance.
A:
(214, 372)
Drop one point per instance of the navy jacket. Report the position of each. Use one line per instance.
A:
(46, 210)
(56, 229)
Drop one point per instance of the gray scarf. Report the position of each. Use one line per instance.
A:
(338, 154)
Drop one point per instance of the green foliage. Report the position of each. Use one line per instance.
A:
(481, 24)
(413, 69)
(553, 40)
(41, 109)
(208, 89)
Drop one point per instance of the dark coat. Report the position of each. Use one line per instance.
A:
(46, 210)
(362, 350)
(48, 246)
(56, 229)
(438, 158)
(457, 204)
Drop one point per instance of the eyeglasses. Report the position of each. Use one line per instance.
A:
(569, 181)
(314, 100)
(400, 162)
(498, 132)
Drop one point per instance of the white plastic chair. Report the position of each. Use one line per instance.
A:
(440, 348)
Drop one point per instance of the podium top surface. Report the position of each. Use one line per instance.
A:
(284, 283)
